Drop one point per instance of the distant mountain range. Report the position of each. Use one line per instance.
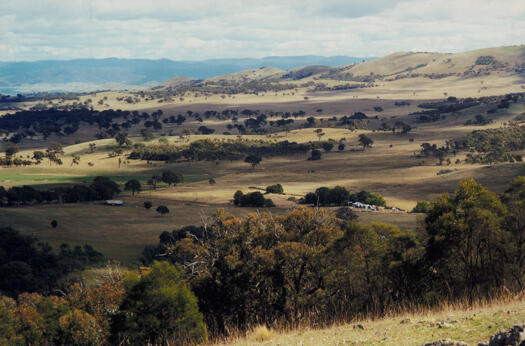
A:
(114, 73)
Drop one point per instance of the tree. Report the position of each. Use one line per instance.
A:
(162, 210)
(75, 160)
(346, 214)
(38, 156)
(147, 135)
(319, 133)
(277, 189)
(211, 181)
(341, 147)
(53, 153)
(11, 150)
(54, 223)
(466, 241)
(122, 139)
(148, 205)
(159, 309)
(92, 147)
(133, 185)
(514, 224)
(327, 146)
(315, 155)
(365, 141)
(254, 160)
(154, 180)
(421, 207)
(104, 188)
(172, 177)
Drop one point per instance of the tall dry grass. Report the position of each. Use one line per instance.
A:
(408, 311)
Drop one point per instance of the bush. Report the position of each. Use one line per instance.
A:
(346, 214)
(340, 196)
(366, 197)
(148, 205)
(316, 155)
(268, 203)
(421, 207)
(28, 265)
(101, 188)
(326, 196)
(254, 199)
(159, 308)
(277, 189)
(327, 146)
(162, 210)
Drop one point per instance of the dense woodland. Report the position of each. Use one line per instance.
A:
(208, 150)
(311, 265)
(339, 196)
(101, 188)
(482, 146)
(308, 266)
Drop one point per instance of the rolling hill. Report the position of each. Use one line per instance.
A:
(113, 73)
(503, 61)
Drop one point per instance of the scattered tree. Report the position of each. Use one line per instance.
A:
(133, 185)
(122, 139)
(315, 155)
(172, 177)
(327, 146)
(365, 141)
(253, 160)
(277, 189)
(75, 160)
(162, 210)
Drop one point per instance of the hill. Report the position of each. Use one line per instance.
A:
(113, 73)
(248, 75)
(462, 324)
(476, 62)
(503, 61)
(401, 75)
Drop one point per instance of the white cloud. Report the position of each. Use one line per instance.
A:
(201, 29)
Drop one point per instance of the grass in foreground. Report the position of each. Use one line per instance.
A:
(470, 325)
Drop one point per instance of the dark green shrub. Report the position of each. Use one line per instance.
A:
(277, 188)
(159, 308)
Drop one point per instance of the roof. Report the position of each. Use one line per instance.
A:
(115, 202)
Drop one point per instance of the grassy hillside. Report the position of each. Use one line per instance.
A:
(247, 75)
(460, 323)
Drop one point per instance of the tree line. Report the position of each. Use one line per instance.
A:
(339, 195)
(28, 265)
(311, 265)
(483, 146)
(307, 266)
(101, 188)
(211, 150)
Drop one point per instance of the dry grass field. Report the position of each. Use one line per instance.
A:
(118, 232)
(391, 167)
(471, 325)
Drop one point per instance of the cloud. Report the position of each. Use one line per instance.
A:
(203, 29)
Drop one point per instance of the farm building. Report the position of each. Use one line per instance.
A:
(115, 202)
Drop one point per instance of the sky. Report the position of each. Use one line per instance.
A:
(206, 29)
